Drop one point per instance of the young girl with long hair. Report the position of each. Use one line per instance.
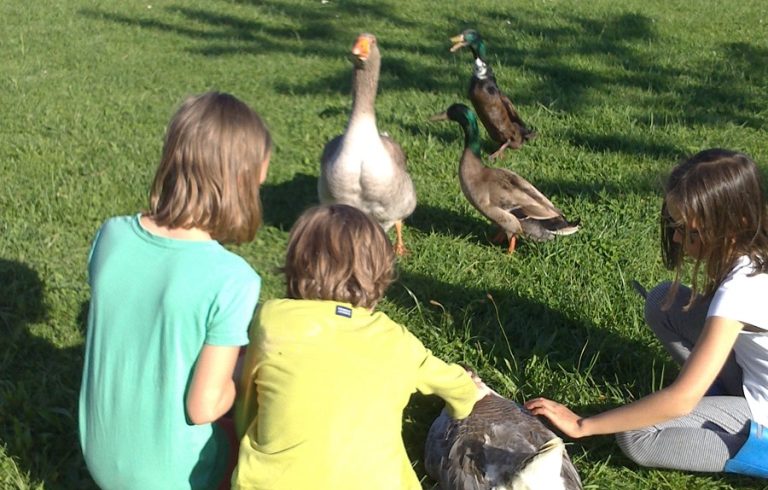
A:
(170, 306)
(712, 417)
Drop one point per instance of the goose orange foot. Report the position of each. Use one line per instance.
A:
(400, 249)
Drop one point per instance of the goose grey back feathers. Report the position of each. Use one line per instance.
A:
(499, 446)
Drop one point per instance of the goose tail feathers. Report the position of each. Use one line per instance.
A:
(542, 469)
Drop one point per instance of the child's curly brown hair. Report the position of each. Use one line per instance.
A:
(336, 252)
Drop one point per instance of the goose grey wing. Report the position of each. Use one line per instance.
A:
(330, 150)
(403, 192)
(437, 445)
(539, 434)
(450, 458)
(569, 474)
(395, 151)
(453, 455)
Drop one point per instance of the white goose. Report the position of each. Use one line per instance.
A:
(363, 168)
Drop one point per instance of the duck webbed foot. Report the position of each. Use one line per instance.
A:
(501, 237)
(512, 243)
(498, 153)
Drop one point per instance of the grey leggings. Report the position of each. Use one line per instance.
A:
(717, 428)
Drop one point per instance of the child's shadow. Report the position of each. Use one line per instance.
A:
(284, 202)
(38, 388)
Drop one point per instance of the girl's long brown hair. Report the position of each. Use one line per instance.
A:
(210, 170)
(336, 252)
(721, 191)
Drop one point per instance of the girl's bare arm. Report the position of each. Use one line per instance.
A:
(212, 391)
(678, 399)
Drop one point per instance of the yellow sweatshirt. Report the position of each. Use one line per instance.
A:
(321, 398)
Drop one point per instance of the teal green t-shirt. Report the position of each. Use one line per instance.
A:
(154, 302)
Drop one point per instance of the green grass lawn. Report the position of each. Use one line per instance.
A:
(618, 91)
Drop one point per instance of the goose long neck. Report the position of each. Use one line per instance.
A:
(365, 82)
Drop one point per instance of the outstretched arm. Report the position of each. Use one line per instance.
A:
(212, 390)
(678, 399)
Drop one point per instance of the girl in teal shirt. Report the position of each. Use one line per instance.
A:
(170, 306)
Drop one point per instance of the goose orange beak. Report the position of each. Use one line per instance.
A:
(362, 48)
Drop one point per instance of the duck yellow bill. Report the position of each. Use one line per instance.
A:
(458, 42)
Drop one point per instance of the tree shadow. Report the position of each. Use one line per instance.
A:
(445, 134)
(617, 143)
(596, 190)
(433, 219)
(356, 8)
(39, 386)
(319, 34)
(617, 40)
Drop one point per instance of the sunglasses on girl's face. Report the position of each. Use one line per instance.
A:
(681, 227)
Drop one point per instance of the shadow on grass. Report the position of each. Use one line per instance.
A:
(284, 202)
(533, 328)
(702, 91)
(629, 145)
(598, 190)
(317, 33)
(427, 218)
(509, 328)
(38, 387)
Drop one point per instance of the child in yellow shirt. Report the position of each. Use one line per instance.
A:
(325, 378)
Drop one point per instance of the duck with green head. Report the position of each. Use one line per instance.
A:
(496, 111)
(501, 195)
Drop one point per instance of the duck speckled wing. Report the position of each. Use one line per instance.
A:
(495, 110)
(501, 195)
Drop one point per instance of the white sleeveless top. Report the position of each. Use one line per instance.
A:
(745, 298)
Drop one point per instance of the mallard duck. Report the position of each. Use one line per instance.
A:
(500, 445)
(362, 167)
(495, 110)
(501, 195)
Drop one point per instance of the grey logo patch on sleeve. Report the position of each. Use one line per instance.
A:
(344, 311)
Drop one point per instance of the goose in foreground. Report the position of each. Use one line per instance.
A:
(496, 111)
(361, 167)
(499, 446)
(501, 195)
